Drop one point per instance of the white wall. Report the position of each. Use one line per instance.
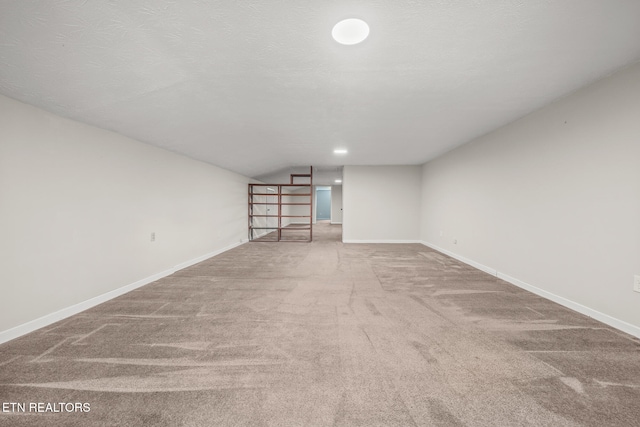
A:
(381, 203)
(336, 204)
(78, 205)
(258, 208)
(551, 201)
(321, 175)
(286, 209)
(301, 210)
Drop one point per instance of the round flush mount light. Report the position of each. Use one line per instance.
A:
(350, 31)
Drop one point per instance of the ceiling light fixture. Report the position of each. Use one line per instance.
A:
(338, 181)
(339, 151)
(350, 31)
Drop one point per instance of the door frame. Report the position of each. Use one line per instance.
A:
(315, 200)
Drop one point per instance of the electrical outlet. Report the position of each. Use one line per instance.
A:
(636, 283)
(153, 237)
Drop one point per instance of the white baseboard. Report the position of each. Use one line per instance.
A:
(470, 262)
(336, 222)
(587, 311)
(604, 318)
(380, 241)
(206, 256)
(48, 319)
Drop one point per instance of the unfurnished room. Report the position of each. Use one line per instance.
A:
(319, 213)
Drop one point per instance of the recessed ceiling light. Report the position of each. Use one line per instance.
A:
(340, 151)
(338, 181)
(350, 31)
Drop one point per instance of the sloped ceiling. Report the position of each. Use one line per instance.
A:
(259, 86)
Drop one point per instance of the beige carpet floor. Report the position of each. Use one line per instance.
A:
(325, 334)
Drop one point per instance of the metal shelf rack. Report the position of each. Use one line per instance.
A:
(273, 208)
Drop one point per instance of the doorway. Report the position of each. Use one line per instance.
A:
(323, 203)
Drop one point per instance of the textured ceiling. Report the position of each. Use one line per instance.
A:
(259, 86)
